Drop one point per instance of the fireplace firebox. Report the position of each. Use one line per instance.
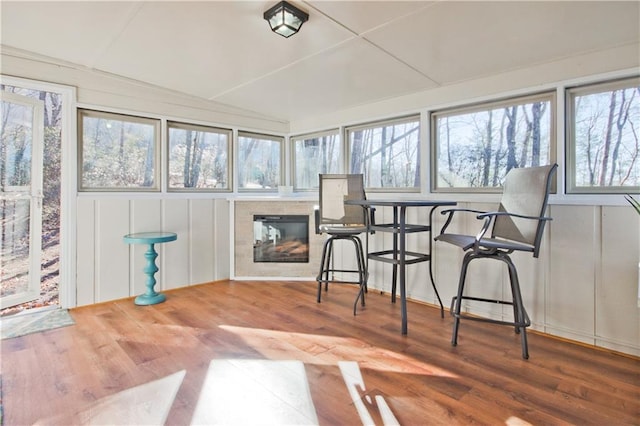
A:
(281, 238)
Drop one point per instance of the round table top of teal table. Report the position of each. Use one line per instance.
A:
(150, 237)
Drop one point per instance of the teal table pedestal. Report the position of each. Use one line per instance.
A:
(151, 297)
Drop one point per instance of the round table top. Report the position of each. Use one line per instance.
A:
(150, 237)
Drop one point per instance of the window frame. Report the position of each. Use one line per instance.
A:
(172, 124)
(263, 136)
(128, 118)
(294, 163)
(570, 146)
(384, 123)
(492, 104)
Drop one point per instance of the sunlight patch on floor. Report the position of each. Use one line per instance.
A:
(147, 404)
(367, 407)
(250, 392)
(332, 349)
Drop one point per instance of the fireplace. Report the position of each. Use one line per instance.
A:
(281, 238)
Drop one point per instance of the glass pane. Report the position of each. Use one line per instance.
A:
(477, 149)
(16, 146)
(387, 155)
(313, 156)
(117, 153)
(605, 138)
(14, 245)
(258, 162)
(198, 159)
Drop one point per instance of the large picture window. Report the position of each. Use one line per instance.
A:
(313, 155)
(199, 158)
(603, 146)
(118, 152)
(260, 162)
(386, 153)
(475, 147)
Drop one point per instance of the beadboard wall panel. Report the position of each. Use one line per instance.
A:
(112, 266)
(176, 257)
(616, 296)
(85, 244)
(202, 241)
(575, 235)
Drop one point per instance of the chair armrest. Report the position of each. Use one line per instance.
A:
(489, 217)
(494, 214)
(451, 212)
(372, 219)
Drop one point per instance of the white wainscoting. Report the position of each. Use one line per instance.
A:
(109, 269)
(584, 285)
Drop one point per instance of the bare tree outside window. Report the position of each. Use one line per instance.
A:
(476, 147)
(50, 266)
(198, 157)
(118, 152)
(313, 155)
(259, 161)
(387, 154)
(604, 137)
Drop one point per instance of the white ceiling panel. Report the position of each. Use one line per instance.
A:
(362, 16)
(208, 48)
(76, 32)
(318, 83)
(454, 41)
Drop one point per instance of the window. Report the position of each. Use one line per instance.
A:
(312, 155)
(260, 160)
(118, 152)
(475, 147)
(603, 128)
(386, 153)
(198, 158)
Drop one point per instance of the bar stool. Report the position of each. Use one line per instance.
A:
(342, 222)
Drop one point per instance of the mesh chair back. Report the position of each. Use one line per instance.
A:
(525, 192)
(334, 190)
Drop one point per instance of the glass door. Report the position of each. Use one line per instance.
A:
(22, 135)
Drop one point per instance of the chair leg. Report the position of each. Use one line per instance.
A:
(323, 274)
(457, 301)
(363, 268)
(362, 273)
(521, 318)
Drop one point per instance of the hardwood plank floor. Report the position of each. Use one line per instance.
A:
(122, 363)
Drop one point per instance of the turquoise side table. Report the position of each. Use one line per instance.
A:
(151, 297)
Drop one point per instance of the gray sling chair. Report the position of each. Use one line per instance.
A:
(516, 226)
(342, 222)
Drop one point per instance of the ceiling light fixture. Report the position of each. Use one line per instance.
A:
(285, 19)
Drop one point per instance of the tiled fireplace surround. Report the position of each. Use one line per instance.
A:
(244, 265)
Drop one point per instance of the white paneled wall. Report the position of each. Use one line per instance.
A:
(584, 285)
(109, 269)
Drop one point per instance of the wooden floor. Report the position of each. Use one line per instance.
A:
(267, 353)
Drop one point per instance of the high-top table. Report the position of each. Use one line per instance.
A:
(151, 297)
(398, 255)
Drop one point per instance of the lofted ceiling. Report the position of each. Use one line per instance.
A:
(348, 54)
